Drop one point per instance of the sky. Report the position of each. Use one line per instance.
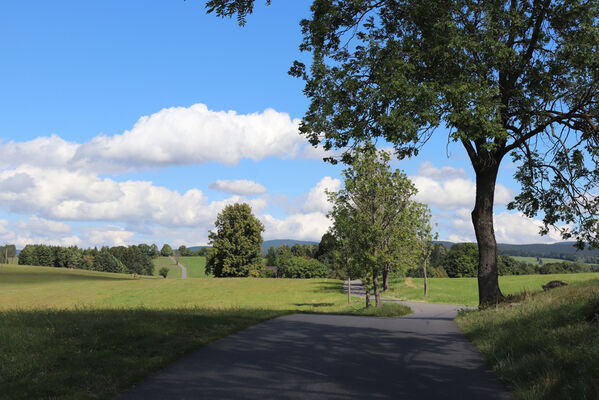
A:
(126, 122)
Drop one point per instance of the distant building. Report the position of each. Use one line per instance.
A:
(273, 269)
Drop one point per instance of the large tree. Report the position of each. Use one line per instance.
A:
(236, 242)
(505, 77)
(367, 213)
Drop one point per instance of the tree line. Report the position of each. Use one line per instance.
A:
(461, 260)
(134, 259)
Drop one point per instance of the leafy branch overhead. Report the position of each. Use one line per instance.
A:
(507, 78)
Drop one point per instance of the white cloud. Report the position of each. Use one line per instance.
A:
(193, 135)
(316, 200)
(450, 188)
(42, 226)
(428, 169)
(241, 187)
(42, 152)
(61, 194)
(309, 226)
(172, 136)
(513, 228)
(108, 236)
(37, 231)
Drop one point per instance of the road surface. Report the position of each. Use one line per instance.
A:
(302, 356)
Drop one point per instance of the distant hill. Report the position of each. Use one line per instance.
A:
(196, 248)
(279, 242)
(563, 250)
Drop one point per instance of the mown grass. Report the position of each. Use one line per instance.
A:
(161, 262)
(196, 266)
(73, 334)
(464, 291)
(547, 347)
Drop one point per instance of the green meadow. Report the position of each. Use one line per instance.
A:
(174, 270)
(73, 334)
(196, 266)
(464, 291)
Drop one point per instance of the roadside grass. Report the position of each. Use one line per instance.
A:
(174, 270)
(464, 291)
(196, 266)
(547, 347)
(71, 334)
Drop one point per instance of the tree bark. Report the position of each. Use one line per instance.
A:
(482, 219)
(377, 291)
(386, 277)
(348, 289)
(367, 291)
(425, 278)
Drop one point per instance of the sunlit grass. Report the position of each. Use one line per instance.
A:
(196, 266)
(464, 291)
(174, 270)
(81, 334)
(545, 346)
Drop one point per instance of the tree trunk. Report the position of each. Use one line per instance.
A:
(425, 278)
(367, 291)
(348, 289)
(377, 288)
(482, 219)
(386, 277)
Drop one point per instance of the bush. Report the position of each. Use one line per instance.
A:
(163, 272)
(299, 267)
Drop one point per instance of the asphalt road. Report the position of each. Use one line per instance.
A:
(422, 356)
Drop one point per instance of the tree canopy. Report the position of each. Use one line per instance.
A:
(368, 213)
(236, 242)
(515, 77)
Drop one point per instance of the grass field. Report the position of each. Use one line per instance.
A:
(196, 266)
(72, 334)
(547, 347)
(465, 290)
(174, 270)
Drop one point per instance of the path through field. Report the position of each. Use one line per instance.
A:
(303, 356)
(183, 269)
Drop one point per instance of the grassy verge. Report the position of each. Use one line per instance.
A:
(68, 334)
(464, 291)
(545, 348)
(174, 270)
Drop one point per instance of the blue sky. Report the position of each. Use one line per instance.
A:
(129, 122)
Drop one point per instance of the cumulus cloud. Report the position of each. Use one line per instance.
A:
(513, 228)
(316, 200)
(241, 187)
(108, 236)
(36, 230)
(450, 188)
(193, 135)
(172, 136)
(51, 151)
(67, 195)
(309, 226)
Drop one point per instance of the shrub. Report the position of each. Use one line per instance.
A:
(163, 272)
(299, 267)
